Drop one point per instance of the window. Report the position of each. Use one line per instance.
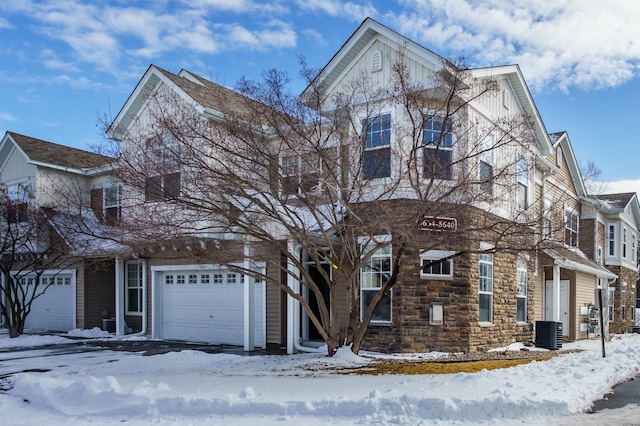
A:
(112, 198)
(611, 240)
(521, 292)
(377, 147)
(19, 195)
(435, 264)
(624, 243)
(599, 255)
(134, 287)
(373, 275)
(547, 218)
(438, 147)
(485, 165)
(634, 256)
(571, 228)
(523, 183)
(611, 307)
(301, 173)
(163, 168)
(162, 187)
(623, 303)
(486, 287)
(559, 156)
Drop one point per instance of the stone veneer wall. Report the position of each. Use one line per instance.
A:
(620, 323)
(410, 330)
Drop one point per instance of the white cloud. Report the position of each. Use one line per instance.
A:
(624, 185)
(356, 11)
(582, 43)
(5, 116)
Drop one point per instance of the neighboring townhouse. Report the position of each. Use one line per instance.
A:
(569, 270)
(612, 223)
(58, 177)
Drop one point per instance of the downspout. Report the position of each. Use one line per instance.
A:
(293, 306)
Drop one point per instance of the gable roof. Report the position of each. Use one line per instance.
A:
(514, 76)
(617, 201)
(212, 99)
(358, 41)
(51, 154)
(562, 139)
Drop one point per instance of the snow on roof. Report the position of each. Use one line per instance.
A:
(85, 235)
(616, 201)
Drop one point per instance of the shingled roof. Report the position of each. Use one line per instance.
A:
(616, 201)
(59, 155)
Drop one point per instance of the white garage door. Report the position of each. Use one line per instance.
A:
(55, 309)
(207, 306)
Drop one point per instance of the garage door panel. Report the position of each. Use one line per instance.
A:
(55, 309)
(209, 309)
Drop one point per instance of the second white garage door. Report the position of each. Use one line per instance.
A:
(207, 306)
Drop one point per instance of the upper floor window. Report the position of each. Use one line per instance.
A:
(163, 168)
(624, 243)
(112, 203)
(374, 274)
(634, 256)
(571, 228)
(301, 173)
(485, 165)
(377, 147)
(438, 147)
(523, 183)
(611, 240)
(547, 218)
(134, 283)
(19, 195)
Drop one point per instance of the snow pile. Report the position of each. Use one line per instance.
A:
(27, 340)
(89, 333)
(200, 388)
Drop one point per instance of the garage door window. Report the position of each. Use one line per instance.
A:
(134, 288)
(205, 279)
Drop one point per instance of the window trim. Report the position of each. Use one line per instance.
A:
(442, 144)
(489, 262)
(435, 255)
(138, 288)
(117, 206)
(624, 242)
(522, 271)
(372, 150)
(612, 231)
(522, 168)
(569, 214)
(363, 242)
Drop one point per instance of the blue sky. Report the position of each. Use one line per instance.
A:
(65, 63)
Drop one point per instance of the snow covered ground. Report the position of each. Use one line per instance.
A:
(192, 387)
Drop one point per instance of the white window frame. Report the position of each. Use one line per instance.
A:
(117, 204)
(486, 160)
(624, 242)
(612, 232)
(366, 125)
(634, 254)
(366, 284)
(547, 217)
(430, 255)
(599, 255)
(522, 287)
(569, 214)
(300, 168)
(611, 307)
(522, 166)
(485, 259)
(136, 286)
(443, 142)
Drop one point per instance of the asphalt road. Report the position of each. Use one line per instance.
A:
(624, 394)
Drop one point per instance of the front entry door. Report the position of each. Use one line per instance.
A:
(564, 304)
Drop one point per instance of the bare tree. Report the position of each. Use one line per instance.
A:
(591, 175)
(29, 247)
(317, 180)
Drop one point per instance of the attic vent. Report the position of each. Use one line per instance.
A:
(506, 98)
(376, 61)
